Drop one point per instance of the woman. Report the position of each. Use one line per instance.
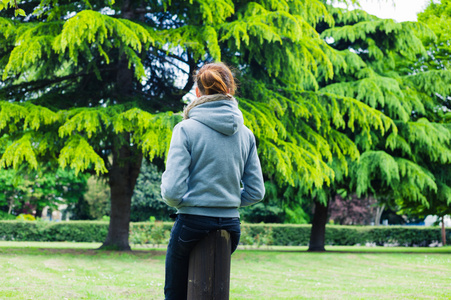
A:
(211, 155)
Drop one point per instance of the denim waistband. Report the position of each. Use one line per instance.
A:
(206, 218)
(222, 212)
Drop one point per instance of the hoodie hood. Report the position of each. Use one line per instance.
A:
(219, 112)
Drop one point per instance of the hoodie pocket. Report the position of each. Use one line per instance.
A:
(189, 237)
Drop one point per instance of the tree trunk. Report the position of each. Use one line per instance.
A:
(10, 205)
(443, 231)
(122, 178)
(38, 213)
(124, 75)
(318, 233)
(379, 211)
(127, 160)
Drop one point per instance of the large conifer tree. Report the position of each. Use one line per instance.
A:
(406, 164)
(92, 84)
(438, 17)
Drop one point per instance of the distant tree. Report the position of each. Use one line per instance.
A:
(97, 196)
(34, 190)
(79, 210)
(11, 196)
(437, 15)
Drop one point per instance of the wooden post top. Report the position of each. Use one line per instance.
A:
(209, 267)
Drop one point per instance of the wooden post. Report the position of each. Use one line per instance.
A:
(209, 267)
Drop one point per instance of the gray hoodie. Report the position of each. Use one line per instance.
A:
(212, 154)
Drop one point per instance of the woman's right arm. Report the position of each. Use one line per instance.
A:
(174, 181)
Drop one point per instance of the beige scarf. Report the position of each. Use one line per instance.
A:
(205, 99)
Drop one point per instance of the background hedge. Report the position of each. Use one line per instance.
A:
(252, 234)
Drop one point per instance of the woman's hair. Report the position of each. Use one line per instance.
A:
(215, 78)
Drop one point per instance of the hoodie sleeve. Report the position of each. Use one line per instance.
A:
(174, 180)
(253, 189)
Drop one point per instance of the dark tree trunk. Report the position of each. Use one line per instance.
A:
(124, 75)
(38, 213)
(318, 233)
(443, 231)
(122, 179)
(126, 160)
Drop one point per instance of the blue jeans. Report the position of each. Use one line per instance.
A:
(186, 232)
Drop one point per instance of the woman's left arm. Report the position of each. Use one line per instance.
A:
(174, 181)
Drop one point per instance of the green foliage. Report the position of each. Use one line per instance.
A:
(76, 128)
(376, 163)
(156, 233)
(5, 4)
(9, 187)
(290, 235)
(25, 217)
(275, 43)
(97, 196)
(378, 62)
(87, 29)
(262, 212)
(432, 81)
(321, 86)
(265, 238)
(80, 231)
(438, 17)
(256, 25)
(37, 189)
(301, 159)
(6, 216)
(53, 231)
(146, 200)
(79, 155)
(281, 204)
(297, 215)
(252, 234)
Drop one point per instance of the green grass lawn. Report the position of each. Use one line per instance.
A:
(74, 271)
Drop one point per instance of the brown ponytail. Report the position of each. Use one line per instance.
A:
(215, 78)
